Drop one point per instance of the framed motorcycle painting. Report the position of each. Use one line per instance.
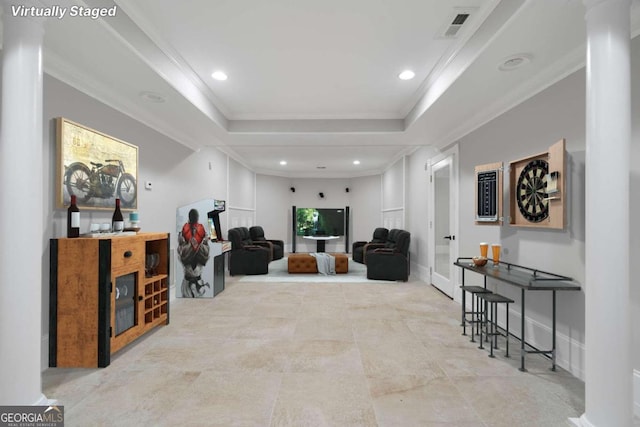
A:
(95, 167)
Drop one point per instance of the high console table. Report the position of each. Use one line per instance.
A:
(320, 241)
(527, 279)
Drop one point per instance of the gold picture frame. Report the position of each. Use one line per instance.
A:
(96, 167)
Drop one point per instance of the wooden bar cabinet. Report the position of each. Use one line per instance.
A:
(104, 294)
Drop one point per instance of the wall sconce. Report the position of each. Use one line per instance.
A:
(293, 189)
(321, 194)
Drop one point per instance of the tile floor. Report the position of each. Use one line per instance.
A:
(321, 354)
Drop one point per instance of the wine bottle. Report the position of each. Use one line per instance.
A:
(117, 222)
(73, 219)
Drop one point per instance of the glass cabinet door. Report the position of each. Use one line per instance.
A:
(126, 302)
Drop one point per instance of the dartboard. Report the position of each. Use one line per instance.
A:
(532, 191)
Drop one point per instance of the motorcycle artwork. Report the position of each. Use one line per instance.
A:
(103, 180)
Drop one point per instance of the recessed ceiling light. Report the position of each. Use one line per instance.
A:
(321, 167)
(356, 162)
(219, 75)
(406, 75)
(283, 162)
(156, 98)
(514, 61)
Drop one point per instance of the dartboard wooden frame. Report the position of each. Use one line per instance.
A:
(527, 196)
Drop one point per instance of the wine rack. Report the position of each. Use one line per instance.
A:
(104, 294)
(156, 284)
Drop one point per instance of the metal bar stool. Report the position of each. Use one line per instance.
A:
(476, 311)
(490, 323)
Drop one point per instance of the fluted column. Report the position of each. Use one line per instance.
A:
(21, 211)
(608, 364)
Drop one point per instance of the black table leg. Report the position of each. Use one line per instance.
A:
(553, 342)
(492, 327)
(522, 350)
(464, 307)
(474, 316)
(507, 335)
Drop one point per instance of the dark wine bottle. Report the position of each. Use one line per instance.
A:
(117, 222)
(73, 219)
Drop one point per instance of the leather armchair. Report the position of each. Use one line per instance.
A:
(392, 261)
(359, 248)
(245, 257)
(276, 246)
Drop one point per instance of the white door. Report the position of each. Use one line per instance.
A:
(442, 223)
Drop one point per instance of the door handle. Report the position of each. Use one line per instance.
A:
(450, 237)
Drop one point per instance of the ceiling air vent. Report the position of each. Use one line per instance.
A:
(456, 24)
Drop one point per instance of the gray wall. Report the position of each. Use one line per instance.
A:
(393, 195)
(365, 203)
(528, 129)
(241, 200)
(274, 200)
(179, 175)
(273, 207)
(558, 112)
(306, 196)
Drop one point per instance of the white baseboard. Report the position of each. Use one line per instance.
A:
(44, 353)
(636, 393)
(569, 352)
(419, 272)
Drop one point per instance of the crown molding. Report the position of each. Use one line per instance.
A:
(161, 58)
(61, 70)
(454, 66)
(316, 126)
(529, 88)
(455, 51)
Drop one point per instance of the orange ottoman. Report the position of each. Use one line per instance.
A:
(305, 263)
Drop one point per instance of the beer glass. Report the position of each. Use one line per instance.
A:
(495, 251)
(484, 249)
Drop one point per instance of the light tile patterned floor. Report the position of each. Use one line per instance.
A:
(315, 354)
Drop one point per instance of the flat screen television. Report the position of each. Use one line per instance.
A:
(320, 222)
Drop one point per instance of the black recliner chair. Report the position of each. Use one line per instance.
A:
(276, 246)
(392, 261)
(246, 257)
(390, 242)
(358, 249)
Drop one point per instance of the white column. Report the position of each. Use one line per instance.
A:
(21, 211)
(608, 365)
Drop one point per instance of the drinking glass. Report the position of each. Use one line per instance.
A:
(484, 249)
(152, 260)
(495, 251)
